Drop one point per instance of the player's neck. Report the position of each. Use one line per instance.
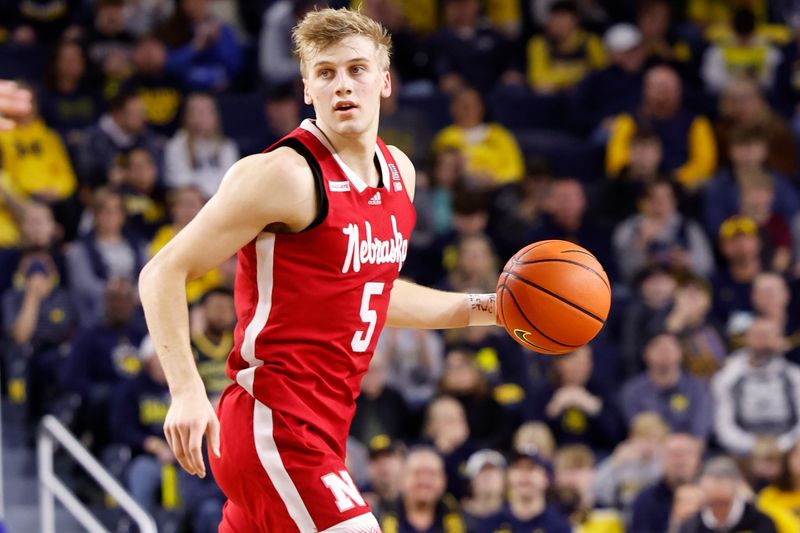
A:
(356, 151)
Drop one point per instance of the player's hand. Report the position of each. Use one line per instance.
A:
(190, 416)
(15, 102)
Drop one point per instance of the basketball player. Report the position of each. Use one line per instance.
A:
(321, 222)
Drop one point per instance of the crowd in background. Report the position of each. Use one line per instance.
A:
(660, 135)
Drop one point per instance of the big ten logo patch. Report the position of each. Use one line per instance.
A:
(344, 490)
(397, 183)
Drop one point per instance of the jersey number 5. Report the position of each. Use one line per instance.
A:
(361, 339)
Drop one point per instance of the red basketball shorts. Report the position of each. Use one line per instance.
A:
(279, 476)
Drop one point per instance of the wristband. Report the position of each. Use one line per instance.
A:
(482, 309)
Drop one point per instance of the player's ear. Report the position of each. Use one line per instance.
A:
(306, 94)
(386, 90)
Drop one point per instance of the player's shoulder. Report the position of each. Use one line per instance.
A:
(406, 167)
(282, 167)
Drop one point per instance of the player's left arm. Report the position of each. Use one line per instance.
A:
(414, 306)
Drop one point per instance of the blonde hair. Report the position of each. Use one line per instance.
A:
(535, 434)
(323, 28)
(574, 456)
(649, 424)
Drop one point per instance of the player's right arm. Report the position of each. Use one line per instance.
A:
(259, 190)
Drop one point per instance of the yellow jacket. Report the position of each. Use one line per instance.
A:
(782, 507)
(196, 288)
(702, 149)
(36, 161)
(563, 68)
(495, 153)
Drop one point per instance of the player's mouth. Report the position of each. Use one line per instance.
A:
(344, 107)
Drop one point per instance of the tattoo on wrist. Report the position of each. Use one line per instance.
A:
(482, 302)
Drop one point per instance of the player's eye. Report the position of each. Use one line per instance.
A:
(324, 73)
(357, 69)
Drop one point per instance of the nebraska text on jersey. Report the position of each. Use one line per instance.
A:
(373, 250)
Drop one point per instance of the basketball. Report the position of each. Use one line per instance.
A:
(553, 297)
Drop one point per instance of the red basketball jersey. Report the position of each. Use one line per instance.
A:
(311, 305)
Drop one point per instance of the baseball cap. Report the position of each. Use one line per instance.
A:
(382, 444)
(481, 459)
(532, 454)
(622, 37)
(737, 225)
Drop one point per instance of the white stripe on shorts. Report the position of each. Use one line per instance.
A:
(365, 523)
(271, 461)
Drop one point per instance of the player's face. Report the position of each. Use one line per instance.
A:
(345, 83)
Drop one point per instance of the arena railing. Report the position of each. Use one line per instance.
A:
(51, 488)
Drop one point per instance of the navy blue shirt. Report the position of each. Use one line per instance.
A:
(549, 521)
(138, 411)
(651, 509)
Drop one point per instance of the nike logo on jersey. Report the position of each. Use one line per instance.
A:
(372, 250)
(376, 199)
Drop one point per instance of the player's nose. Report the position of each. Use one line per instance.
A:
(343, 84)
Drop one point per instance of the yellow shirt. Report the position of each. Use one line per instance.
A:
(36, 161)
(422, 16)
(489, 149)
(783, 507)
(197, 287)
(9, 231)
(563, 68)
(601, 521)
(697, 169)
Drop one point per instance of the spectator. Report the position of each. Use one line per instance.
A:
(447, 430)
(138, 410)
(203, 51)
(742, 105)
(740, 245)
(771, 299)
(577, 409)
(414, 361)
(123, 127)
(476, 268)
(661, 234)
(620, 82)
(574, 475)
(465, 53)
(535, 435)
(29, 25)
(202, 500)
(39, 319)
(489, 424)
(38, 166)
(757, 392)
(276, 59)
(564, 54)
(213, 343)
(199, 154)
(110, 43)
(683, 401)
(492, 154)
(661, 42)
(282, 112)
(703, 349)
(70, 103)
(748, 155)
(565, 218)
(743, 53)
(634, 464)
(104, 253)
(161, 92)
(486, 472)
(408, 129)
(385, 471)
(619, 197)
(143, 194)
(783, 495)
(646, 315)
(423, 505)
(184, 204)
(103, 355)
(725, 509)
(757, 198)
(529, 476)
(764, 465)
(380, 410)
(681, 463)
(517, 207)
(690, 152)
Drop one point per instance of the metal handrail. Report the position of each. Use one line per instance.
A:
(51, 430)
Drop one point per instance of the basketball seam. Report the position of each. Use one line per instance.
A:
(557, 297)
(584, 252)
(587, 267)
(542, 333)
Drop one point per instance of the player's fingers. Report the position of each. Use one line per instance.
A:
(212, 435)
(195, 450)
(185, 436)
(177, 450)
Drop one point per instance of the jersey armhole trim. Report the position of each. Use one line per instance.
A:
(319, 181)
